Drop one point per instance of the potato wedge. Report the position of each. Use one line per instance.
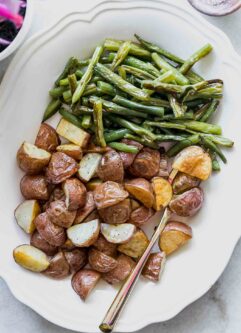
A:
(73, 133)
(85, 211)
(52, 233)
(32, 159)
(100, 261)
(117, 233)
(146, 164)
(136, 246)
(84, 281)
(174, 235)
(123, 269)
(106, 247)
(142, 190)
(31, 258)
(60, 168)
(141, 216)
(75, 193)
(109, 194)
(93, 183)
(25, 214)
(88, 166)
(40, 243)
(84, 234)
(183, 182)
(76, 259)
(71, 150)
(116, 214)
(154, 266)
(59, 214)
(47, 138)
(194, 161)
(35, 187)
(163, 193)
(58, 268)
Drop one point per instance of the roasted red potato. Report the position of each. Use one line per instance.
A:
(174, 235)
(76, 258)
(104, 246)
(183, 182)
(154, 266)
(123, 269)
(60, 168)
(194, 161)
(58, 268)
(146, 164)
(47, 138)
(39, 242)
(32, 159)
(73, 133)
(25, 214)
(88, 166)
(100, 261)
(84, 234)
(35, 187)
(187, 203)
(75, 193)
(31, 258)
(59, 214)
(136, 246)
(109, 194)
(117, 233)
(85, 211)
(111, 167)
(84, 281)
(71, 150)
(163, 193)
(142, 190)
(128, 158)
(116, 214)
(141, 216)
(51, 232)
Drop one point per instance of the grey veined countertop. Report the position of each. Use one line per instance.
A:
(219, 311)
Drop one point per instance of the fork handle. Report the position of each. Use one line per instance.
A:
(121, 298)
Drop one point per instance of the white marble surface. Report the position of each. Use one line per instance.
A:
(216, 312)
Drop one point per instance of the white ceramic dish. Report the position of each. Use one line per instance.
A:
(22, 33)
(23, 97)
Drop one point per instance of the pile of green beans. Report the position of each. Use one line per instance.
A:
(142, 92)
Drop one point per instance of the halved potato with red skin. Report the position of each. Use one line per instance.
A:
(84, 281)
(32, 159)
(100, 261)
(60, 168)
(75, 193)
(84, 234)
(124, 267)
(71, 150)
(194, 161)
(118, 233)
(146, 164)
(88, 166)
(84, 212)
(141, 216)
(47, 138)
(106, 247)
(58, 268)
(31, 258)
(40, 243)
(116, 214)
(111, 167)
(142, 190)
(59, 214)
(76, 258)
(51, 232)
(163, 193)
(35, 187)
(136, 246)
(25, 214)
(154, 266)
(183, 182)
(109, 194)
(174, 235)
(128, 158)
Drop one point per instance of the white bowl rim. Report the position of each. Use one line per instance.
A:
(22, 32)
(30, 46)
